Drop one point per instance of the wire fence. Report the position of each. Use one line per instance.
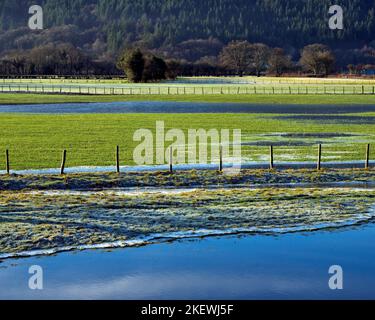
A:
(272, 159)
(188, 90)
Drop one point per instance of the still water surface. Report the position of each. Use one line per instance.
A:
(183, 107)
(288, 266)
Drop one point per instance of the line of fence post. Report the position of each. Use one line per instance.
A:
(7, 164)
(357, 90)
(63, 161)
(319, 162)
(221, 165)
(117, 159)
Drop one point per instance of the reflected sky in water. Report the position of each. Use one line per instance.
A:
(290, 266)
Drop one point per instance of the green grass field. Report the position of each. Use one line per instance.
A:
(36, 141)
(17, 98)
(250, 79)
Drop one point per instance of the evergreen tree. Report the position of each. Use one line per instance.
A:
(132, 63)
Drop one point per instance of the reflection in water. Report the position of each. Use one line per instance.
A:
(281, 165)
(129, 287)
(291, 266)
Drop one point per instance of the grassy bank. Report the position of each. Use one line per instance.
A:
(183, 179)
(19, 98)
(52, 220)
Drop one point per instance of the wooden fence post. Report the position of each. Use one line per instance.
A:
(221, 158)
(367, 166)
(271, 158)
(117, 159)
(319, 167)
(170, 160)
(7, 165)
(63, 160)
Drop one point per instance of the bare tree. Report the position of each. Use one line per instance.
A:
(278, 62)
(317, 58)
(259, 57)
(237, 56)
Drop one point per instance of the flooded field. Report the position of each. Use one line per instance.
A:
(185, 107)
(96, 128)
(287, 266)
(41, 218)
(223, 233)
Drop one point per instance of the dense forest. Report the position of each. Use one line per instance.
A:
(191, 30)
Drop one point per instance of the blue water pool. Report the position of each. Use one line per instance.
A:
(288, 266)
(183, 107)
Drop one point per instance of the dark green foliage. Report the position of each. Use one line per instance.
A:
(163, 23)
(132, 63)
(190, 30)
(155, 69)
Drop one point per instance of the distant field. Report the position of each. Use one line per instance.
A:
(204, 89)
(21, 98)
(193, 86)
(36, 141)
(203, 80)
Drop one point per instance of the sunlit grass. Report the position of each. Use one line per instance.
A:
(17, 98)
(36, 141)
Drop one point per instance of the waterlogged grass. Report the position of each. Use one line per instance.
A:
(184, 179)
(45, 220)
(50, 212)
(20, 98)
(37, 141)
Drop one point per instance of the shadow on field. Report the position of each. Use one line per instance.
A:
(331, 119)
